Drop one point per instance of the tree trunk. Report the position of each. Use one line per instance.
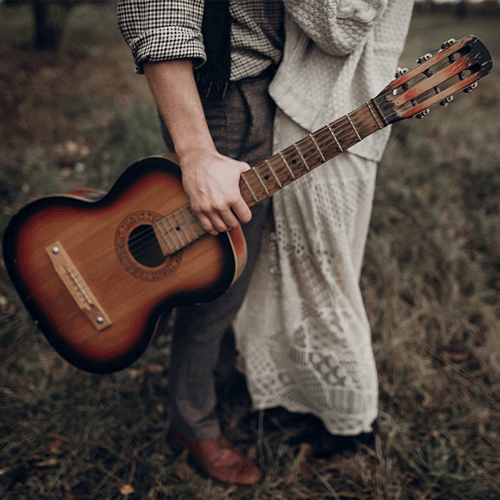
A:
(51, 19)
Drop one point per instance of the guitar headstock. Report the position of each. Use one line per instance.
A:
(456, 66)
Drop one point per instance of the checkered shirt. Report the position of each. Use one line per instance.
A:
(161, 30)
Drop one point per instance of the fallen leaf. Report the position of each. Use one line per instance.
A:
(347, 494)
(252, 452)
(155, 368)
(3, 301)
(57, 446)
(304, 458)
(50, 462)
(182, 470)
(127, 489)
(133, 373)
(455, 354)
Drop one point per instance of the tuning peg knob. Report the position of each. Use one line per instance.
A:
(422, 59)
(471, 87)
(446, 101)
(425, 112)
(401, 72)
(445, 45)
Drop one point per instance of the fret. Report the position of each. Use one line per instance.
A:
(187, 223)
(286, 164)
(164, 238)
(175, 232)
(335, 139)
(196, 221)
(167, 231)
(374, 117)
(249, 189)
(284, 167)
(353, 127)
(326, 144)
(317, 147)
(182, 227)
(274, 173)
(260, 180)
(302, 158)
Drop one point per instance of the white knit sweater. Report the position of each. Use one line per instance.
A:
(357, 45)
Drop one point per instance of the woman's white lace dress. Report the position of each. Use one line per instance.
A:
(303, 333)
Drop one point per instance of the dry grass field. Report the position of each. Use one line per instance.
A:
(431, 283)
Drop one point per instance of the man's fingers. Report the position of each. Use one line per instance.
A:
(214, 224)
(212, 186)
(206, 224)
(217, 222)
(242, 211)
(229, 218)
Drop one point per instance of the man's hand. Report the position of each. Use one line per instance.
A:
(211, 182)
(210, 179)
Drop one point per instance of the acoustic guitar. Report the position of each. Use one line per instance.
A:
(96, 271)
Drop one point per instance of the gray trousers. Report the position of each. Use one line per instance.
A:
(241, 125)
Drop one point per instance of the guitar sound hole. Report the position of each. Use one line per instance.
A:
(144, 247)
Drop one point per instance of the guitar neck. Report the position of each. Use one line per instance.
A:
(291, 163)
(181, 227)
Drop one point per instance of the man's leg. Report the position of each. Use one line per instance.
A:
(241, 126)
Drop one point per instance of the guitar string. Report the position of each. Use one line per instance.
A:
(142, 242)
(148, 239)
(145, 241)
(393, 116)
(340, 128)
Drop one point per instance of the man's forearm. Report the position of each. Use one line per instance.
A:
(210, 180)
(174, 90)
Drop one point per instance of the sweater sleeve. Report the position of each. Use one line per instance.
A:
(337, 26)
(162, 30)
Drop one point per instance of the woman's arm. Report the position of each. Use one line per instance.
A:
(337, 26)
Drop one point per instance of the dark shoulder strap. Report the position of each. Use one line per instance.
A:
(212, 78)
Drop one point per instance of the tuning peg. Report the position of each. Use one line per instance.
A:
(445, 45)
(401, 72)
(446, 101)
(422, 59)
(425, 112)
(471, 87)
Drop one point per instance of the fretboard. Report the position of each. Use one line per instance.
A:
(288, 165)
(181, 227)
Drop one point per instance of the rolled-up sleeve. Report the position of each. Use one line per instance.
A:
(162, 30)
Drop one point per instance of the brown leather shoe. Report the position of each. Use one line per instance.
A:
(219, 459)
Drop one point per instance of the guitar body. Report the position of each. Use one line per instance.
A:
(91, 273)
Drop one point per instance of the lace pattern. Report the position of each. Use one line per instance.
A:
(303, 333)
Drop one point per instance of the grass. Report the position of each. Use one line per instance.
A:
(430, 281)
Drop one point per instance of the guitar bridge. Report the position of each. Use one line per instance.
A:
(77, 286)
